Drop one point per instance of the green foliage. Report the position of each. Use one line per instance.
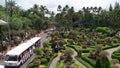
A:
(43, 61)
(45, 44)
(60, 64)
(48, 64)
(103, 29)
(84, 62)
(68, 51)
(16, 23)
(88, 60)
(106, 63)
(30, 65)
(26, 23)
(101, 64)
(0, 46)
(98, 64)
(116, 54)
(38, 51)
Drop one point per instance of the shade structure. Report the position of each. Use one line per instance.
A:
(3, 22)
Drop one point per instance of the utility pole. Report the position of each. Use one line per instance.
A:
(8, 26)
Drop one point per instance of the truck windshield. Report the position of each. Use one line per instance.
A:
(11, 58)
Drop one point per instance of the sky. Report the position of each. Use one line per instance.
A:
(53, 4)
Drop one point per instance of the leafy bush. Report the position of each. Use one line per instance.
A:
(16, 23)
(35, 59)
(65, 35)
(30, 65)
(103, 29)
(43, 61)
(38, 51)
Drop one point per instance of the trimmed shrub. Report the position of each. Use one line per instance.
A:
(38, 51)
(30, 65)
(84, 62)
(116, 55)
(43, 61)
(88, 60)
(103, 29)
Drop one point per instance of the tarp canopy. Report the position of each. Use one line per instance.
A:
(3, 22)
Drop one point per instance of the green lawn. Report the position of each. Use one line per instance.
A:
(60, 64)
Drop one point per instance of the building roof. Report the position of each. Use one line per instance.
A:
(3, 22)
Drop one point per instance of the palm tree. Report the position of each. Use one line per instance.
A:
(11, 7)
(52, 14)
(95, 10)
(110, 8)
(83, 9)
(59, 8)
(43, 9)
(99, 10)
(67, 7)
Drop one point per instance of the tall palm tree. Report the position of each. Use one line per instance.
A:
(11, 7)
(59, 8)
(95, 10)
(43, 9)
(52, 15)
(99, 10)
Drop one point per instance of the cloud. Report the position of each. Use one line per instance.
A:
(2, 2)
(53, 4)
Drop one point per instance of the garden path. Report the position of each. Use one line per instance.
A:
(54, 61)
(75, 54)
(111, 50)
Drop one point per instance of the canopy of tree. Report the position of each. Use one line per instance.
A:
(88, 17)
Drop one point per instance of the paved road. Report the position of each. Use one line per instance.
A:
(43, 38)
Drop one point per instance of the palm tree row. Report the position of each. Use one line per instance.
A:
(88, 17)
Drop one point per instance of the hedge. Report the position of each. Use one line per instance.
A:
(74, 47)
(108, 47)
(115, 57)
(30, 65)
(116, 54)
(87, 50)
(44, 60)
(77, 48)
(103, 29)
(84, 62)
(88, 60)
